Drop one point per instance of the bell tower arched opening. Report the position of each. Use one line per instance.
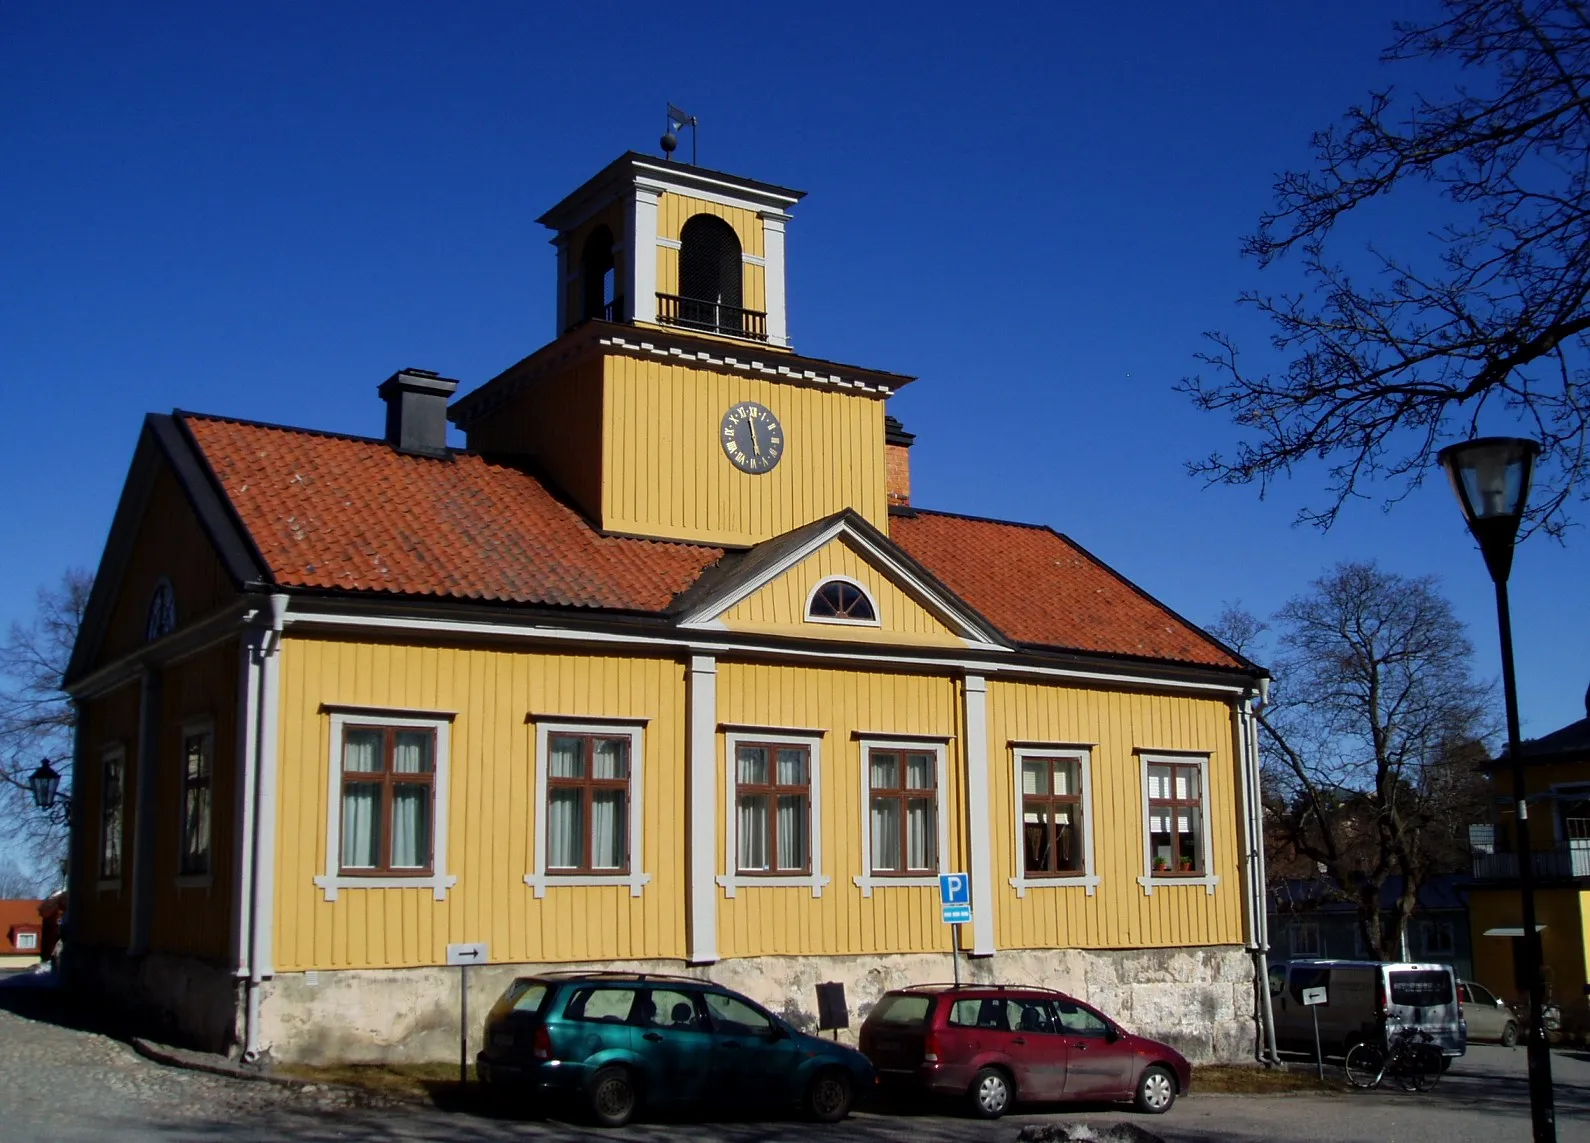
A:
(710, 295)
(599, 278)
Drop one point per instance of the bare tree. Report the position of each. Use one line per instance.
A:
(1387, 367)
(36, 718)
(1372, 736)
(17, 884)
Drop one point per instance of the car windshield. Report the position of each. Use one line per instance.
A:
(901, 1008)
(1426, 988)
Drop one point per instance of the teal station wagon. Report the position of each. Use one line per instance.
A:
(616, 1042)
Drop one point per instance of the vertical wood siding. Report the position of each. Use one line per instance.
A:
(196, 920)
(170, 543)
(1119, 914)
(104, 917)
(558, 421)
(665, 473)
(778, 920)
(780, 607)
(489, 807)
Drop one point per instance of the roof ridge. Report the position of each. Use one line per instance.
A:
(327, 434)
(981, 519)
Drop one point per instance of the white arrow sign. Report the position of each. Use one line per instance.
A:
(467, 954)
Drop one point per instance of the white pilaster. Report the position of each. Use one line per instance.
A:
(248, 693)
(977, 810)
(702, 947)
(773, 259)
(561, 243)
(270, 715)
(640, 239)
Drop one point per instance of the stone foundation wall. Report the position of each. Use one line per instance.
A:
(173, 999)
(1199, 1000)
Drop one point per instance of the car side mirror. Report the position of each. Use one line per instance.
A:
(1112, 1034)
(779, 1032)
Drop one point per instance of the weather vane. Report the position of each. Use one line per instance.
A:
(677, 120)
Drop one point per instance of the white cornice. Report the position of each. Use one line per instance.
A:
(773, 370)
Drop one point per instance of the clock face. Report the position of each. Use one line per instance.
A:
(752, 438)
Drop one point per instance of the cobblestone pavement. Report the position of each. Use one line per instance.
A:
(60, 1084)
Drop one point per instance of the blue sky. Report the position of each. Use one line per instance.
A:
(264, 210)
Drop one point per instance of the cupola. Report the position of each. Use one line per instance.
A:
(652, 242)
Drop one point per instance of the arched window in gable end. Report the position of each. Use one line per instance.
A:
(839, 600)
(710, 276)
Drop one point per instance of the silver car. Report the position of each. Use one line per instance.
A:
(1488, 1016)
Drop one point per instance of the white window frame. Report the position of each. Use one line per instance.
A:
(731, 879)
(191, 728)
(1088, 879)
(540, 878)
(332, 882)
(1209, 879)
(1431, 928)
(870, 878)
(117, 753)
(838, 621)
(27, 942)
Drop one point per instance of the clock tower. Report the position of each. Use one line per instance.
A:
(670, 403)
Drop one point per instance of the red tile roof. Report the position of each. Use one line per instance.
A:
(1038, 587)
(351, 513)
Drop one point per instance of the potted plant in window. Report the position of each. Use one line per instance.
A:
(1186, 865)
(1161, 865)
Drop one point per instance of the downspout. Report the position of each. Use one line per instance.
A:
(264, 742)
(1259, 894)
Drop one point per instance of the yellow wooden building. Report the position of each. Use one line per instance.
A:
(664, 669)
(1557, 784)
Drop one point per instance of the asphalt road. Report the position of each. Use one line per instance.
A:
(72, 1086)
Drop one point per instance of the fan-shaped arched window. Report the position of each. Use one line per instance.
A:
(598, 277)
(841, 601)
(709, 275)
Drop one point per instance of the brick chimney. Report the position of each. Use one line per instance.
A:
(416, 411)
(897, 461)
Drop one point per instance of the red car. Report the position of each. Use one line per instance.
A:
(995, 1045)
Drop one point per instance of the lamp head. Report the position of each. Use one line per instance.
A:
(44, 782)
(1491, 477)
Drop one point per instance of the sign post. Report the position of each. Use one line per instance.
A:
(1313, 998)
(464, 956)
(955, 903)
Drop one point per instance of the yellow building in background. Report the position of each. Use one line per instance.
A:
(1557, 785)
(664, 669)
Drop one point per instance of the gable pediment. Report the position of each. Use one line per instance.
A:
(770, 590)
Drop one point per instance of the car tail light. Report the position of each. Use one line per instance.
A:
(541, 1045)
(1380, 996)
(930, 1049)
(1460, 1003)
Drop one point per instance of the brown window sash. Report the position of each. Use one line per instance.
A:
(196, 862)
(772, 790)
(390, 782)
(1195, 808)
(1047, 804)
(588, 787)
(900, 794)
(110, 831)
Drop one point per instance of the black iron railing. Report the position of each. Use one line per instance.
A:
(613, 310)
(1563, 861)
(713, 317)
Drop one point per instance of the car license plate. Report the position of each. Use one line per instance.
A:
(502, 1039)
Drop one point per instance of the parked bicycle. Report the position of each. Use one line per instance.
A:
(1410, 1056)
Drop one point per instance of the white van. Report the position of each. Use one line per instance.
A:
(1359, 996)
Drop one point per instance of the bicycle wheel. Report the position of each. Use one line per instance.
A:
(1417, 1068)
(1365, 1063)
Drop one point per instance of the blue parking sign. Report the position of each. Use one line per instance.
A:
(955, 888)
(955, 898)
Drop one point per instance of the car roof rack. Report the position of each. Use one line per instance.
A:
(975, 986)
(614, 974)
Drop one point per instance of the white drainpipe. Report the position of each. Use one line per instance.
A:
(1258, 896)
(267, 680)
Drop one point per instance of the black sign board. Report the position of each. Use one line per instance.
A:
(832, 1011)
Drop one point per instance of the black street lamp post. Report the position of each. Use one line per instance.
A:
(1491, 477)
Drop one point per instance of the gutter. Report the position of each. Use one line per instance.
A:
(1257, 897)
